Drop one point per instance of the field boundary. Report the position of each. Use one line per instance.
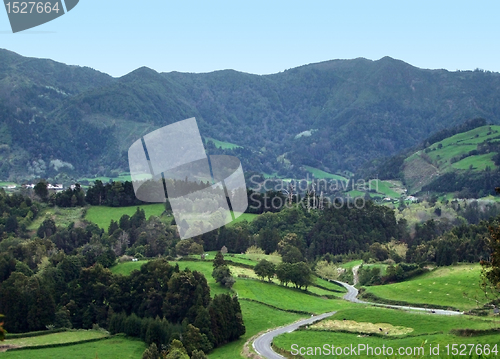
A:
(35, 334)
(277, 308)
(57, 345)
(378, 300)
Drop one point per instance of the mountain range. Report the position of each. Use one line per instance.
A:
(335, 115)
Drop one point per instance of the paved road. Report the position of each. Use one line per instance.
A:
(262, 344)
(352, 294)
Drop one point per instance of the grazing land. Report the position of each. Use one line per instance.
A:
(322, 174)
(351, 264)
(102, 215)
(71, 336)
(426, 329)
(61, 216)
(222, 144)
(257, 318)
(111, 348)
(443, 286)
(249, 217)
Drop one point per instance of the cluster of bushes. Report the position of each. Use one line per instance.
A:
(18, 212)
(394, 273)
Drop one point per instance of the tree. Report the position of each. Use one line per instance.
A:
(327, 270)
(283, 273)
(265, 269)
(222, 275)
(193, 340)
(47, 228)
(198, 354)
(2, 330)
(113, 226)
(378, 252)
(62, 319)
(291, 254)
(151, 352)
(41, 190)
(300, 275)
(177, 351)
(219, 260)
(11, 224)
(490, 272)
(269, 239)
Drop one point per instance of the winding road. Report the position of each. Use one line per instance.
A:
(262, 345)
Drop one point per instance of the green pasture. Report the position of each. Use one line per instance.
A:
(427, 329)
(286, 298)
(384, 187)
(454, 286)
(461, 144)
(478, 162)
(351, 264)
(222, 144)
(330, 285)
(56, 338)
(322, 174)
(382, 267)
(61, 216)
(249, 217)
(257, 318)
(102, 215)
(111, 348)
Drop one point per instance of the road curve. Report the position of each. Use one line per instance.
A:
(262, 345)
(352, 296)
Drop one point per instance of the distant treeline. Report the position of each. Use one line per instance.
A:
(67, 293)
(434, 243)
(18, 212)
(470, 184)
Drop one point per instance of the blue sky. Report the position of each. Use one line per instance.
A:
(263, 37)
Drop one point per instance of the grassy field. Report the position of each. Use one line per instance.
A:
(204, 267)
(56, 338)
(102, 215)
(285, 298)
(384, 187)
(122, 177)
(249, 217)
(251, 288)
(478, 162)
(383, 267)
(61, 216)
(257, 318)
(221, 144)
(112, 348)
(442, 152)
(5, 184)
(322, 174)
(443, 286)
(251, 259)
(332, 286)
(391, 189)
(427, 329)
(351, 264)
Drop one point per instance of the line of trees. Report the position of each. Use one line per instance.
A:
(298, 273)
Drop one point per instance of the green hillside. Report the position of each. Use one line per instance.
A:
(468, 151)
(84, 121)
